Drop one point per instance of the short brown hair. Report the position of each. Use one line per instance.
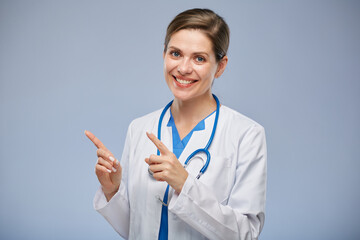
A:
(206, 20)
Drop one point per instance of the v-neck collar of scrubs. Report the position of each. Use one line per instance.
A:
(178, 144)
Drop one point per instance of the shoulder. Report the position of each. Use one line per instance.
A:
(236, 120)
(242, 134)
(237, 128)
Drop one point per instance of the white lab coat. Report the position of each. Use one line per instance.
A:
(227, 202)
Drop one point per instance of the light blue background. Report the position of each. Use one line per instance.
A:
(67, 66)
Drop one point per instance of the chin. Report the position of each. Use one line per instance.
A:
(186, 96)
(182, 96)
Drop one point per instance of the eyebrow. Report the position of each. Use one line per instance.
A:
(195, 53)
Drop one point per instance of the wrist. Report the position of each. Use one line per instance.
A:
(110, 194)
(180, 187)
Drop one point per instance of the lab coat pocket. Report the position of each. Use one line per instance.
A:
(219, 177)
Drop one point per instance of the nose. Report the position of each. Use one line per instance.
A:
(184, 66)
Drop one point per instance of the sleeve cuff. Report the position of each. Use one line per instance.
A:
(177, 200)
(100, 200)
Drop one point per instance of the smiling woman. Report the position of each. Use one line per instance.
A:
(219, 199)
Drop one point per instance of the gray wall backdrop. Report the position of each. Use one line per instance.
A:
(67, 66)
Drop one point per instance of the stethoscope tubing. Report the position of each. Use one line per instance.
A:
(204, 150)
(190, 157)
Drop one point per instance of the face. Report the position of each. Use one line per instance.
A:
(190, 65)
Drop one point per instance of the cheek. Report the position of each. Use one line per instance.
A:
(169, 65)
(207, 73)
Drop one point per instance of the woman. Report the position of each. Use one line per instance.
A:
(160, 199)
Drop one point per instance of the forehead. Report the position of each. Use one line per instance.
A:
(191, 40)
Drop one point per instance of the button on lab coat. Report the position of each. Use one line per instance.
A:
(227, 202)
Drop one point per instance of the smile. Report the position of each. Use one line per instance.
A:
(183, 81)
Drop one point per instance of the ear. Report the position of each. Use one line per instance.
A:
(164, 51)
(221, 66)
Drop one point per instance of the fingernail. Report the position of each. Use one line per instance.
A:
(109, 171)
(111, 158)
(116, 162)
(114, 170)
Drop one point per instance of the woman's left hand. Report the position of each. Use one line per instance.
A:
(166, 167)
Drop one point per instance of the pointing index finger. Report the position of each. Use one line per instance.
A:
(95, 140)
(162, 148)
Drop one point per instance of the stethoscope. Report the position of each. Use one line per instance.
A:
(204, 150)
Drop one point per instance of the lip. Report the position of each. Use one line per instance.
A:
(184, 85)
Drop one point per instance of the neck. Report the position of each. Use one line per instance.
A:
(192, 111)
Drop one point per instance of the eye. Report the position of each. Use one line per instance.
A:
(175, 54)
(200, 59)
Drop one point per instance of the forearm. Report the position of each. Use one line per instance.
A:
(199, 207)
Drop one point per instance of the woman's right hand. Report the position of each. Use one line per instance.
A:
(107, 168)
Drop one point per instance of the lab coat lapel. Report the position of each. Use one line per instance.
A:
(198, 140)
(156, 188)
(166, 132)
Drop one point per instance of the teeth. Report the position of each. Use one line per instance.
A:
(183, 81)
